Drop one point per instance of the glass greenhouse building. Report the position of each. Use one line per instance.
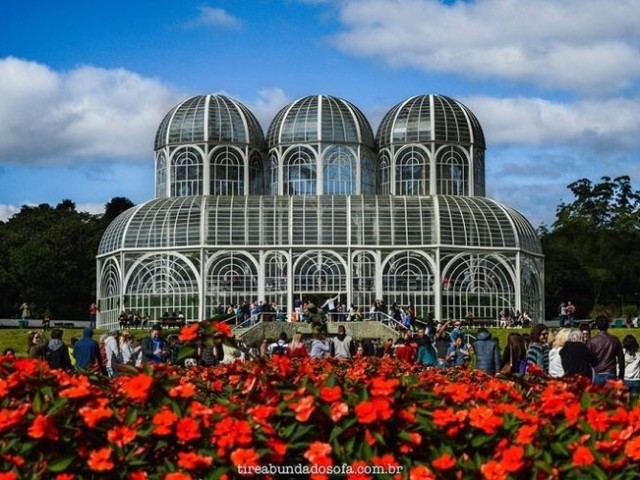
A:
(320, 207)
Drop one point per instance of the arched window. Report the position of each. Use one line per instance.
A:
(339, 171)
(161, 176)
(319, 272)
(273, 170)
(412, 172)
(299, 171)
(368, 172)
(407, 277)
(256, 175)
(276, 278)
(363, 280)
(227, 172)
(187, 173)
(478, 173)
(232, 279)
(385, 174)
(453, 172)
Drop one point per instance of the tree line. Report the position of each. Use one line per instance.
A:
(592, 253)
(48, 258)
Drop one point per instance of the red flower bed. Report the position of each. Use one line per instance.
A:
(209, 423)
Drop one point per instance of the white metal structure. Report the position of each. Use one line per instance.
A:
(403, 223)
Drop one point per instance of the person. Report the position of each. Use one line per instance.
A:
(128, 352)
(112, 353)
(280, 346)
(457, 354)
(555, 362)
(514, 355)
(9, 352)
(427, 354)
(57, 353)
(562, 314)
(224, 352)
(403, 351)
(342, 343)
(571, 314)
(631, 363)
(153, 346)
(297, 349)
(442, 342)
(585, 329)
(576, 358)
(87, 351)
(320, 348)
(25, 313)
(93, 312)
(538, 351)
(330, 307)
(72, 343)
(608, 350)
(36, 346)
(46, 321)
(487, 353)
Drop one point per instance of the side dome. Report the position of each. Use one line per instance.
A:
(320, 118)
(209, 118)
(430, 118)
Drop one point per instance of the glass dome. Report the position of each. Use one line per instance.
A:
(320, 118)
(430, 118)
(209, 118)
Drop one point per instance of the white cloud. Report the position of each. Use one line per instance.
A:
(216, 17)
(569, 44)
(598, 125)
(79, 116)
(269, 102)
(7, 211)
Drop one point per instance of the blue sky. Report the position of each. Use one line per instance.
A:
(85, 83)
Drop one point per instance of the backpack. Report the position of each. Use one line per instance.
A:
(55, 358)
(279, 350)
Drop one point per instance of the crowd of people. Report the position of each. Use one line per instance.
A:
(557, 353)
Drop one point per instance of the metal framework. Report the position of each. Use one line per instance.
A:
(317, 211)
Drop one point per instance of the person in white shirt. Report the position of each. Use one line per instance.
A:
(320, 348)
(631, 363)
(342, 344)
(112, 351)
(555, 361)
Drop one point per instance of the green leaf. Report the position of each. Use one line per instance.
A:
(60, 464)
(480, 440)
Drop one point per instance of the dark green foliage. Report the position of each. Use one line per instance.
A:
(47, 258)
(592, 252)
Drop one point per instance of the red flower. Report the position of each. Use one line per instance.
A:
(100, 460)
(137, 476)
(187, 429)
(78, 387)
(318, 454)
(163, 421)
(8, 476)
(137, 387)
(366, 412)
(632, 448)
(599, 421)
(185, 390)
(383, 408)
(121, 436)
(444, 462)
(65, 476)
(93, 413)
(230, 432)
(330, 394)
(4, 388)
(10, 417)
(245, 457)
(338, 410)
(526, 434)
(177, 476)
(43, 427)
(512, 458)
(193, 461)
(359, 466)
(583, 457)
(482, 417)
(421, 473)
(223, 328)
(304, 408)
(189, 332)
(492, 470)
(381, 387)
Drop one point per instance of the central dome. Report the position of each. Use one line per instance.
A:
(320, 118)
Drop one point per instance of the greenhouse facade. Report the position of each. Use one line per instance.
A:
(320, 208)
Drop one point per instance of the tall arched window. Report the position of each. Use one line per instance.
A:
(319, 272)
(273, 174)
(407, 277)
(368, 172)
(363, 280)
(161, 176)
(187, 173)
(412, 172)
(339, 171)
(453, 172)
(227, 172)
(385, 174)
(299, 171)
(256, 175)
(276, 278)
(232, 279)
